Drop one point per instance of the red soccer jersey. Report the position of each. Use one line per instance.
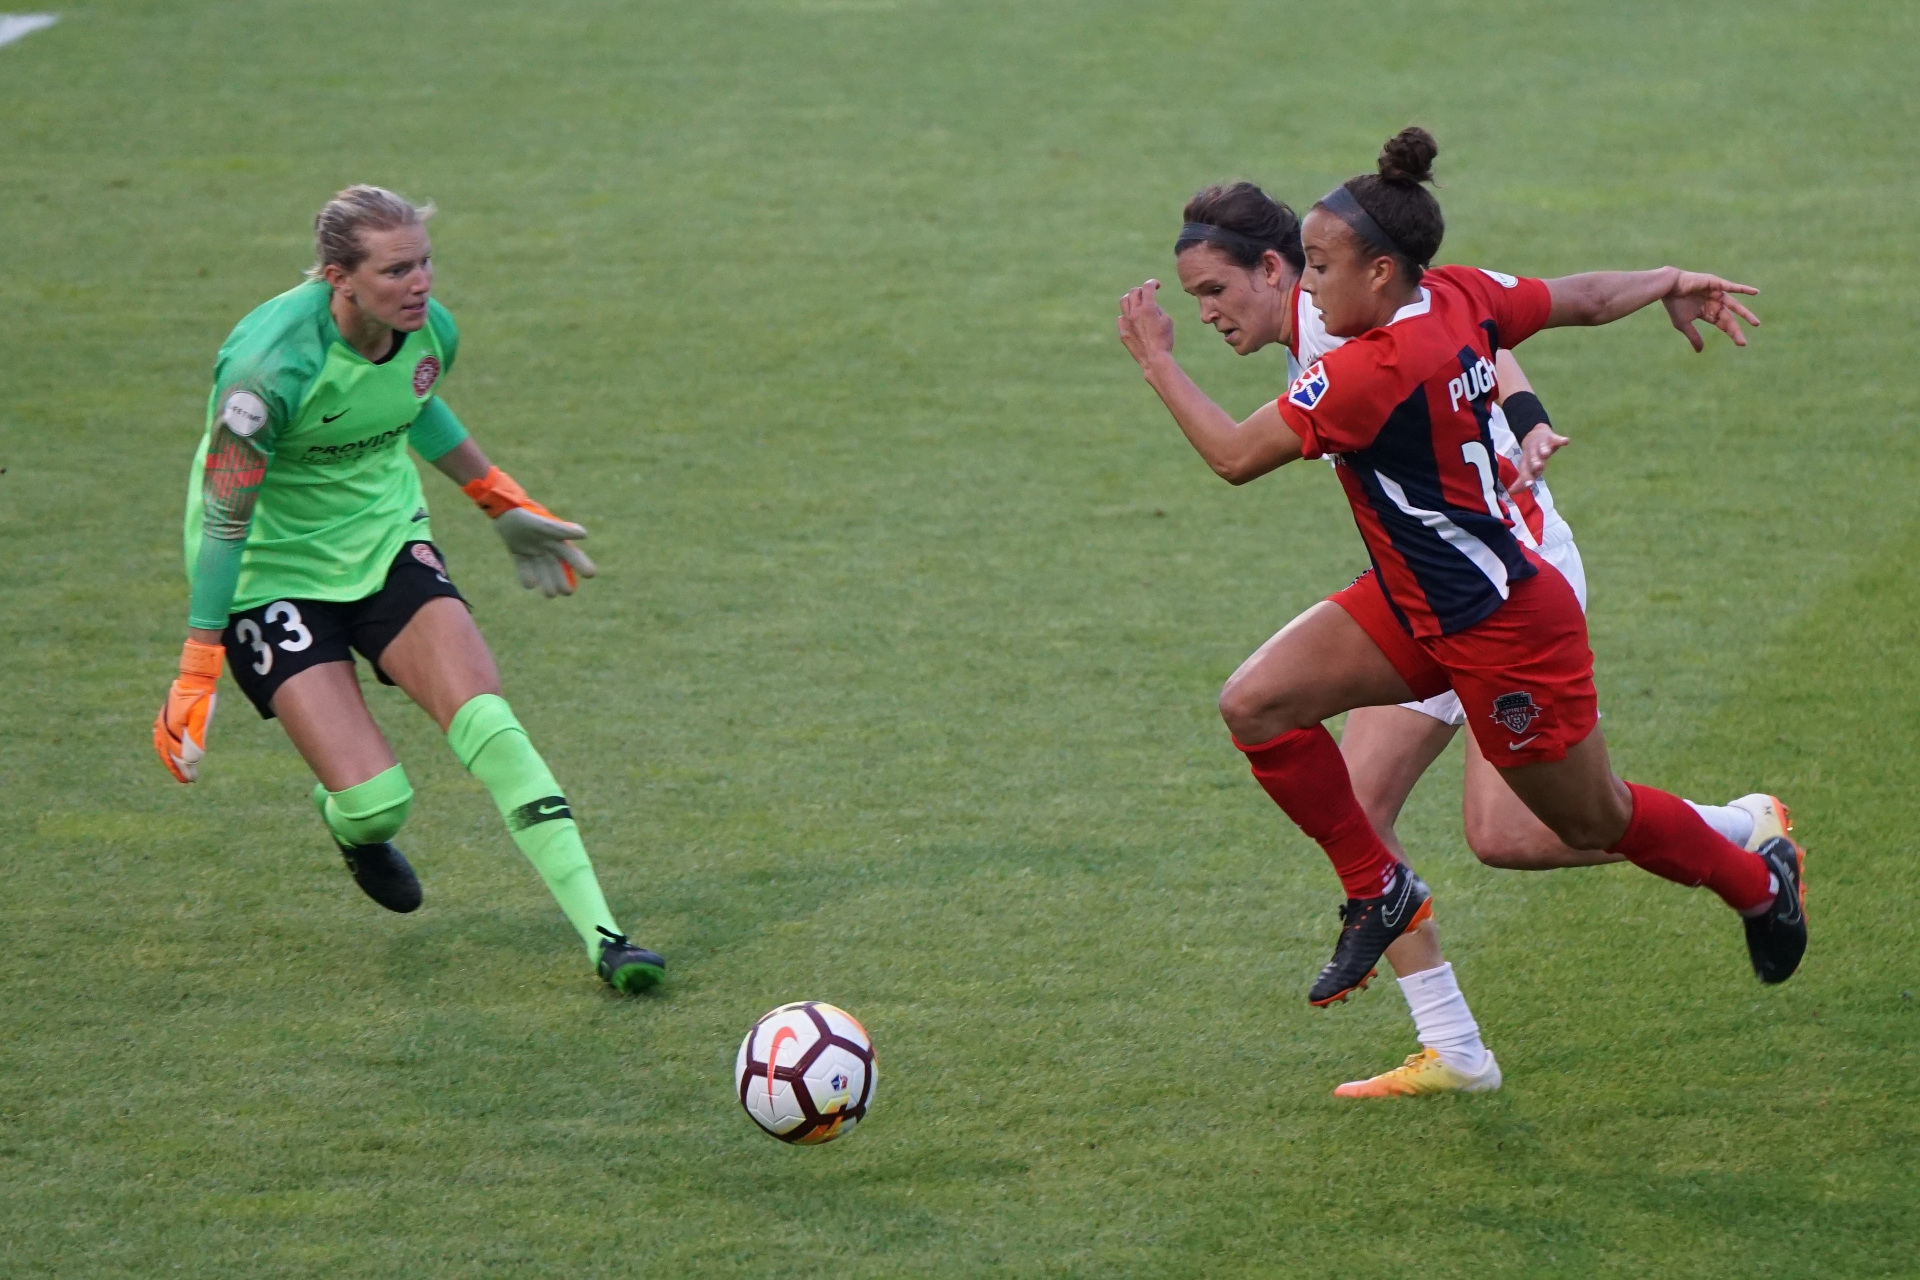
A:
(1308, 341)
(1405, 409)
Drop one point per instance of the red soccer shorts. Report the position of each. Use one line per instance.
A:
(1524, 674)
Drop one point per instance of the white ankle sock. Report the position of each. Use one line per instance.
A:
(1735, 824)
(1442, 1020)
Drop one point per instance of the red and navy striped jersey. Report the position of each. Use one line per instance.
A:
(1308, 341)
(1405, 409)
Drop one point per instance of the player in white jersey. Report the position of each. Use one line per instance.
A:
(1250, 250)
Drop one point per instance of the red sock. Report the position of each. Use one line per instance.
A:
(1307, 777)
(1669, 839)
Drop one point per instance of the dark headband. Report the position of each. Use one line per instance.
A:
(1340, 203)
(1205, 232)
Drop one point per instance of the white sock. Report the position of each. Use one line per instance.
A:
(1442, 1020)
(1735, 824)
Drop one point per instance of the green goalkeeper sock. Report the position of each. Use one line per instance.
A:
(494, 748)
(370, 813)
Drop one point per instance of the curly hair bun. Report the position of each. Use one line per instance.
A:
(1407, 159)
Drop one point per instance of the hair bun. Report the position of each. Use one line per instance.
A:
(1408, 156)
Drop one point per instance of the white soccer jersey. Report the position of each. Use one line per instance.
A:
(1310, 337)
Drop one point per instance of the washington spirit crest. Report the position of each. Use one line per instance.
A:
(425, 374)
(1516, 711)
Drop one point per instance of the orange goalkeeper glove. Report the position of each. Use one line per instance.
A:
(540, 542)
(180, 730)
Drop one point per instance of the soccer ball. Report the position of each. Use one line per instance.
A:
(805, 1072)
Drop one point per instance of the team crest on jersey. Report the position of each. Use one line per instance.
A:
(425, 374)
(424, 554)
(1309, 386)
(1501, 278)
(1516, 711)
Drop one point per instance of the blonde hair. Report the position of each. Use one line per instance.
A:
(337, 227)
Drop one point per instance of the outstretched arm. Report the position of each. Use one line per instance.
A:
(1601, 297)
(1237, 451)
(464, 463)
(540, 543)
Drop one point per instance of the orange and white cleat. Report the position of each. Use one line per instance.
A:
(1771, 819)
(1422, 1073)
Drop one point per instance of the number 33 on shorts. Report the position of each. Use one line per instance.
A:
(270, 644)
(297, 639)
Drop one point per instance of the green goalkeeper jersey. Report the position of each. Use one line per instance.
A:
(302, 487)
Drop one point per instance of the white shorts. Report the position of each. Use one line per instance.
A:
(1562, 555)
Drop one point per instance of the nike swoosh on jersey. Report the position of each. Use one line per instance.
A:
(343, 413)
(1515, 746)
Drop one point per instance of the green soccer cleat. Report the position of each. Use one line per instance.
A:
(627, 968)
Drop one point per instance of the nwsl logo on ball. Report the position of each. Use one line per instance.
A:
(1309, 386)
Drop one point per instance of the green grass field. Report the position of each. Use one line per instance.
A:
(897, 686)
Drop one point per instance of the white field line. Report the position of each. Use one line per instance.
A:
(15, 25)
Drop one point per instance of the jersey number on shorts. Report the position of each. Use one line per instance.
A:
(288, 616)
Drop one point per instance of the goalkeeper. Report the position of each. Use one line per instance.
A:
(307, 538)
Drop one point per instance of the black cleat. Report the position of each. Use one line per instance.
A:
(1368, 927)
(628, 968)
(1777, 939)
(384, 874)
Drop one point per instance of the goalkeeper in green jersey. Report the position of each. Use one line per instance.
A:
(307, 539)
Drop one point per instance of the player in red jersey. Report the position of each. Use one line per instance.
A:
(1455, 598)
(1239, 254)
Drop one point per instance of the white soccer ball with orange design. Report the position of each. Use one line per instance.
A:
(805, 1072)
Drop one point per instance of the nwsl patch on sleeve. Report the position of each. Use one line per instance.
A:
(244, 413)
(1501, 278)
(1309, 386)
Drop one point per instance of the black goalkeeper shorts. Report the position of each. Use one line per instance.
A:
(268, 645)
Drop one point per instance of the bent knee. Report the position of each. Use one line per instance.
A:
(372, 812)
(1513, 850)
(1249, 718)
(1256, 715)
(1588, 833)
(1516, 857)
(1236, 707)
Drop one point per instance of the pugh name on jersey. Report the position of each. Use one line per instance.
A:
(1476, 383)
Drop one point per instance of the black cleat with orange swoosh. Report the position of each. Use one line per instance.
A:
(1368, 927)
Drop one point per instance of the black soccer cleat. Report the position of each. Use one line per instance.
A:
(627, 968)
(383, 874)
(1778, 938)
(1368, 926)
